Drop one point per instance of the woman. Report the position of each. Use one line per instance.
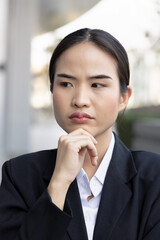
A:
(92, 187)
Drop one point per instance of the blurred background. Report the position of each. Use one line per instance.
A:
(29, 31)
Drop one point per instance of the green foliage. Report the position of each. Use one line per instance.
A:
(125, 123)
(125, 128)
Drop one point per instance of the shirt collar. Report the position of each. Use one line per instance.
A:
(103, 167)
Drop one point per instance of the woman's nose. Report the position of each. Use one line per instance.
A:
(81, 98)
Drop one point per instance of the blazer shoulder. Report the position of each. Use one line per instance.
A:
(147, 164)
(31, 163)
(34, 157)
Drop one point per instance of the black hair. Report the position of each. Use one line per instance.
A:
(101, 39)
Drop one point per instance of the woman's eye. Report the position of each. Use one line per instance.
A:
(97, 85)
(65, 84)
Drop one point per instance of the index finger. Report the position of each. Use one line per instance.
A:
(81, 131)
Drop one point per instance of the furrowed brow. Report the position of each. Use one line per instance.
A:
(101, 76)
(64, 75)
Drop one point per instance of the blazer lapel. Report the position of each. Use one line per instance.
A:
(116, 193)
(77, 227)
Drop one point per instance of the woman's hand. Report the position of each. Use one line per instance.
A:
(71, 153)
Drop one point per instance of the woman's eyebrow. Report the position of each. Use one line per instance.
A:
(100, 76)
(64, 75)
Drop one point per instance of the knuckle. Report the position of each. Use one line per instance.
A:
(65, 141)
(61, 139)
(88, 138)
(70, 146)
(80, 130)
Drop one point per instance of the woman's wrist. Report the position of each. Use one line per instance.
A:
(57, 191)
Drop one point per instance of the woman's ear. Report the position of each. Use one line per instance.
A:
(124, 98)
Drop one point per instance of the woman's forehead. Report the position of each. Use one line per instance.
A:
(85, 52)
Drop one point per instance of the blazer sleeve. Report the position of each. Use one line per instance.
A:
(154, 233)
(153, 224)
(18, 221)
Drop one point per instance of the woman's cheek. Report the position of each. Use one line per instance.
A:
(58, 106)
(112, 102)
(57, 99)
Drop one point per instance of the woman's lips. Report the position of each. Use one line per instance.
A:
(80, 117)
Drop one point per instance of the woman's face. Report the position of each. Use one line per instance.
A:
(86, 92)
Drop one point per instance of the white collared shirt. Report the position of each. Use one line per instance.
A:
(94, 186)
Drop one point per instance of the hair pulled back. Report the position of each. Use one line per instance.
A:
(101, 39)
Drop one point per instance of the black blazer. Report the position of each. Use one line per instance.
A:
(129, 207)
